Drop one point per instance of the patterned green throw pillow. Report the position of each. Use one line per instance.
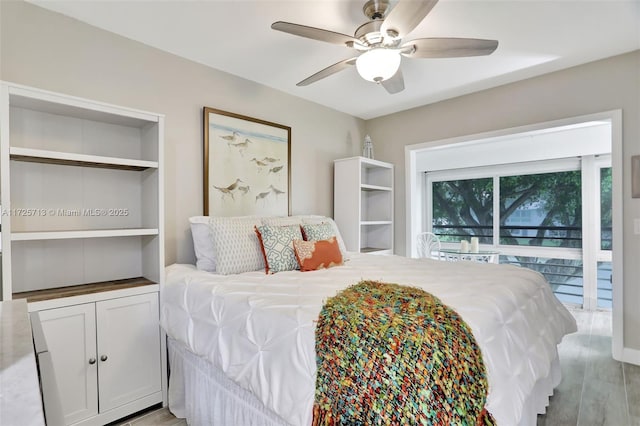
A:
(318, 232)
(277, 247)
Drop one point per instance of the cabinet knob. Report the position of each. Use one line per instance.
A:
(92, 361)
(103, 358)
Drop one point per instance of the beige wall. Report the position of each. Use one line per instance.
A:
(47, 50)
(600, 86)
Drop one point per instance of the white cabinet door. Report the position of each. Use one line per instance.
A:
(70, 333)
(128, 349)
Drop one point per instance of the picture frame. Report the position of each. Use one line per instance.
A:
(247, 165)
(635, 176)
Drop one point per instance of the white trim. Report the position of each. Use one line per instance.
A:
(615, 116)
(5, 189)
(590, 232)
(630, 356)
(533, 167)
(617, 337)
(413, 199)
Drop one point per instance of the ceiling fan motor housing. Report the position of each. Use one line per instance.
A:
(369, 33)
(375, 9)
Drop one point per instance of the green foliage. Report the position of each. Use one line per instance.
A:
(468, 204)
(605, 208)
(466, 208)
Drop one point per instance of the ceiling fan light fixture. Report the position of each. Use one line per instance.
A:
(378, 64)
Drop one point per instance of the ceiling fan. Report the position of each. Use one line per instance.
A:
(380, 46)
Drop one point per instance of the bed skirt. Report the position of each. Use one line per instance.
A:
(203, 395)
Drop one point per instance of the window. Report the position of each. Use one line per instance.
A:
(605, 208)
(463, 208)
(533, 213)
(541, 210)
(603, 256)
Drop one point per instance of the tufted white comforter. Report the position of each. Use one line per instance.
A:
(259, 329)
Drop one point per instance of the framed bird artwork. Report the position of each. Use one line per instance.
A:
(247, 169)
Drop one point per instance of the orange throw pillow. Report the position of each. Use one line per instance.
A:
(314, 255)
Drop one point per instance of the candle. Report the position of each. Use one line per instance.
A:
(464, 246)
(474, 245)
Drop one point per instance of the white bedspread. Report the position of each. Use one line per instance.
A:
(259, 329)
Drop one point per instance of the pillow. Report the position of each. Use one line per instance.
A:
(277, 247)
(314, 220)
(235, 244)
(282, 220)
(203, 244)
(314, 255)
(317, 232)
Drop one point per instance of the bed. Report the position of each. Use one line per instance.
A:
(241, 346)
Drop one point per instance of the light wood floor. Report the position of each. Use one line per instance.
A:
(595, 389)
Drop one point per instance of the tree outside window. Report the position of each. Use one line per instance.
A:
(535, 210)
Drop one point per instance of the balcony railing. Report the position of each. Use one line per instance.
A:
(564, 276)
(524, 235)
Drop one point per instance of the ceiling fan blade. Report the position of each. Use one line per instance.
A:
(330, 70)
(315, 33)
(448, 47)
(395, 84)
(406, 15)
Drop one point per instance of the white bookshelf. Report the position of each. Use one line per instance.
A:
(81, 183)
(363, 204)
(82, 223)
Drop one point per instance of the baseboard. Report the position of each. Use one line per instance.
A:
(122, 411)
(631, 356)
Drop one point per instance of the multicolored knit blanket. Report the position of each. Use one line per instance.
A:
(395, 355)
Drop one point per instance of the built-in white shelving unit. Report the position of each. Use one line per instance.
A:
(363, 204)
(82, 233)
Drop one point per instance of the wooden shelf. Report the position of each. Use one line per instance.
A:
(82, 289)
(65, 235)
(80, 160)
(375, 222)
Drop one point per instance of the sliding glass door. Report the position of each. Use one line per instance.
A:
(603, 252)
(534, 215)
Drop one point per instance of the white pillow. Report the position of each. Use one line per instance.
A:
(282, 220)
(235, 244)
(203, 243)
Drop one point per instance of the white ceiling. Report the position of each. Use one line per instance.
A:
(536, 37)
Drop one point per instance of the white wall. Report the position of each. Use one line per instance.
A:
(47, 50)
(604, 85)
